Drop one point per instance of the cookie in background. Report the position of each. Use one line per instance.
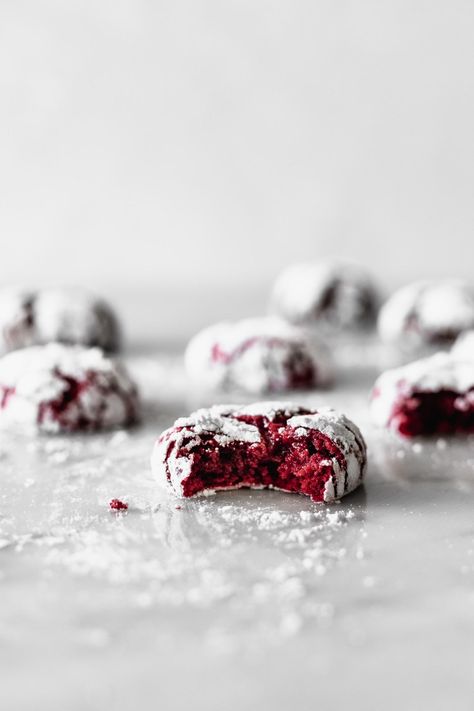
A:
(257, 355)
(70, 315)
(427, 315)
(333, 297)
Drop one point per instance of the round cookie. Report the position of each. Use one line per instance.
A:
(256, 355)
(58, 388)
(64, 315)
(430, 396)
(427, 313)
(319, 453)
(75, 316)
(332, 295)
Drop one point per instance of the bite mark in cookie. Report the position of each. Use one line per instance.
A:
(319, 453)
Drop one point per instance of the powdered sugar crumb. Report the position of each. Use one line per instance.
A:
(149, 554)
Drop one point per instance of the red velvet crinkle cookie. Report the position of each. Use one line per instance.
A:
(427, 313)
(272, 445)
(57, 388)
(63, 315)
(430, 396)
(256, 355)
(333, 295)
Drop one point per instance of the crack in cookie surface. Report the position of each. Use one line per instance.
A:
(320, 454)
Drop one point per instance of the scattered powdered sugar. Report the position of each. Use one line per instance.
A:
(278, 591)
(230, 574)
(233, 558)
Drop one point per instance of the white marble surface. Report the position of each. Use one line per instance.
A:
(239, 601)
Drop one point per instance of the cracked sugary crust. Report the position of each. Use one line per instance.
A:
(440, 372)
(58, 388)
(64, 315)
(221, 421)
(329, 294)
(256, 355)
(427, 312)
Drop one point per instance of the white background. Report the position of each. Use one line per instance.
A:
(197, 143)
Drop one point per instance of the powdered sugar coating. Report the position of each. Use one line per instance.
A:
(463, 347)
(330, 294)
(16, 318)
(438, 373)
(270, 409)
(218, 420)
(173, 455)
(341, 430)
(65, 315)
(427, 312)
(57, 388)
(75, 316)
(256, 355)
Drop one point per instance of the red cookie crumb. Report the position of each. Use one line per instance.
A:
(117, 505)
